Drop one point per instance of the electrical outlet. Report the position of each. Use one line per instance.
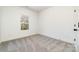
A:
(74, 10)
(74, 25)
(74, 39)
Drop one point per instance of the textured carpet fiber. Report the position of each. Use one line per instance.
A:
(36, 43)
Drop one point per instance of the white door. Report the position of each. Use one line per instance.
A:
(76, 28)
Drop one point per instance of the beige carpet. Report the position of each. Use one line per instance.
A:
(36, 43)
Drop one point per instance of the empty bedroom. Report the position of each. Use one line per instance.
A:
(39, 29)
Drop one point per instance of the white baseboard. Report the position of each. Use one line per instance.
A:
(40, 34)
(16, 38)
(65, 40)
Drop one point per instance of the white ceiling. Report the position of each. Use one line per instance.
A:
(37, 8)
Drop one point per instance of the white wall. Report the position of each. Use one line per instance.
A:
(57, 22)
(0, 22)
(10, 28)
